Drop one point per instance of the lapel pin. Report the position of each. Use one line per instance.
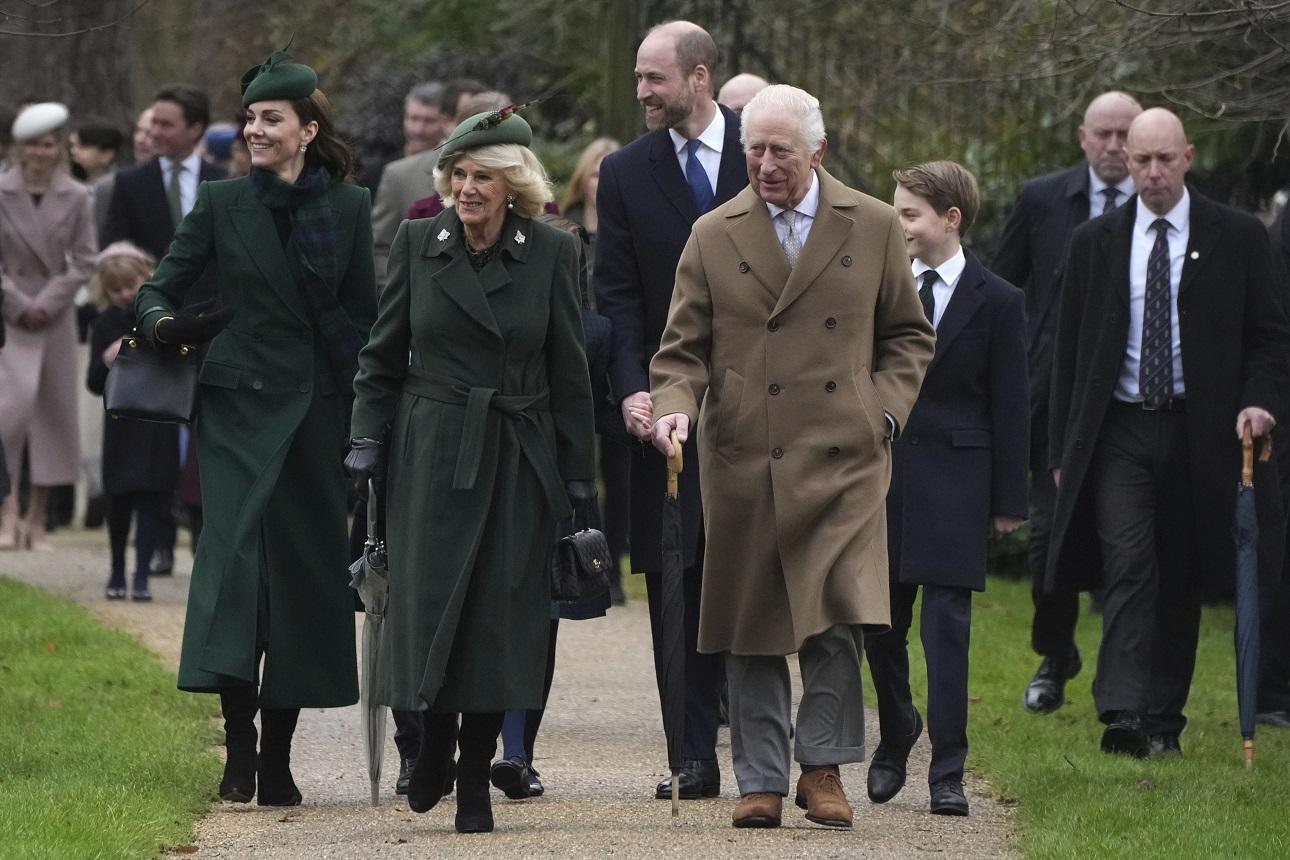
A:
(519, 238)
(1195, 255)
(443, 234)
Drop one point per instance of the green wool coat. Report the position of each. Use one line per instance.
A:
(482, 382)
(271, 567)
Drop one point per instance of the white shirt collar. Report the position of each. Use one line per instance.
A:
(950, 271)
(713, 137)
(192, 164)
(1095, 186)
(809, 204)
(1179, 217)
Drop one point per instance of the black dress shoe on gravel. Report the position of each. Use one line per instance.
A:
(536, 788)
(1046, 692)
(887, 768)
(141, 595)
(405, 774)
(699, 778)
(1124, 735)
(510, 776)
(1165, 746)
(114, 592)
(948, 798)
(1280, 719)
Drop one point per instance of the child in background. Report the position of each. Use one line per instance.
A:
(140, 458)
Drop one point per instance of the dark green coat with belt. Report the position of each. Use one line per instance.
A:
(271, 566)
(482, 380)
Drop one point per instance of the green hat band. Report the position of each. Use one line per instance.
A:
(485, 129)
(276, 79)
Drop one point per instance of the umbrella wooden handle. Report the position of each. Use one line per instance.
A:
(675, 463)
(1247, 457)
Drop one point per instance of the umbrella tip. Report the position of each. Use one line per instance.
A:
(1249, 752)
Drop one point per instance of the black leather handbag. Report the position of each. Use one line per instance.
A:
(149, 385)
(580, 559)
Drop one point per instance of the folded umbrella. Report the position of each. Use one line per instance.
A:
(370, 577)
(1245, 532)
(672, 665)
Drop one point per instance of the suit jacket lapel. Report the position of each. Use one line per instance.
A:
(964, 303)
(828, 232)
(254, 225)
(1119, 238)
(157, 204)
(732, 175)
(30, 222)
(754, 238)
(666, 171)
(1205, 231)
(1077, 194)
(456, 278)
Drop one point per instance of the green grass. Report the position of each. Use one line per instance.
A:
(100, 755)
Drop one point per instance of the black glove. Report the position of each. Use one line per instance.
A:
(197, 324)
(366, 459)
(579, 491)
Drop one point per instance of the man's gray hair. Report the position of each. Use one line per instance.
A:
(781, 98)
(428, 93)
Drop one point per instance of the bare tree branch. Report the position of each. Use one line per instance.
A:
(63, 35)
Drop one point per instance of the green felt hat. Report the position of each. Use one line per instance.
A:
(276, 78)
(485, 129)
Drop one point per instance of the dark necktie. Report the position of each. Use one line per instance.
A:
(1156, 371)
(926, 296)
(1109, 193)
(697, 177)
(175, 194)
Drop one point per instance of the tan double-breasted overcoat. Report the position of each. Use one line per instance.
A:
(789, 372)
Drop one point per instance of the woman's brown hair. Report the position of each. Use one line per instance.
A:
(328, 149)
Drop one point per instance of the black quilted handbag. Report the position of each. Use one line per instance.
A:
(580, 559)
(150, 385)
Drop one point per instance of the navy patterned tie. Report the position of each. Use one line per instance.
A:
(926, 296)
(1156, 371)
(697, 177)
(1109, 193)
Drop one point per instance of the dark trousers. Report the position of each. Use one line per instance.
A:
(1274, 657)
(151, 509)
(520, 728)
(615, 472)
(703, 672)
(1141, 493)
(945, 625)
(1052, 631)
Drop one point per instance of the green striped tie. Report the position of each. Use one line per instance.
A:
(174, 193)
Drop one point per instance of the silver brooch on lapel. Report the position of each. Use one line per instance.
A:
(443, 234)
(519, 238)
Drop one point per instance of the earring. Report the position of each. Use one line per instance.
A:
(303, 147)
(510, 201)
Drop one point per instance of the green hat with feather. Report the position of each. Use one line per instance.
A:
(277, 78)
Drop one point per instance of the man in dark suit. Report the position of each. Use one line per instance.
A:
(1171, 341)
(958, 474)
(651, 192)
(1047, 211)
(149, 201)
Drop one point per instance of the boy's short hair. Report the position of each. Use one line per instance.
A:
(943, 184)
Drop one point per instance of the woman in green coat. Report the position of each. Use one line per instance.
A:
(293, 246)
(476, 375)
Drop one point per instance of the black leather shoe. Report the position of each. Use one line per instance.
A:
(887, 768)
(699, 778)
(1125, 736)
(1046, 692)
(1165, 746)
(948, 798)
(162, 562)
(536, 788)
(405, 774)
(1280, 719)
(510, 776)
(114, 592)
(142, 595)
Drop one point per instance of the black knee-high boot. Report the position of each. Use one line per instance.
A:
(432, 773)
(277, 788)
(478, 744)
(239, 705)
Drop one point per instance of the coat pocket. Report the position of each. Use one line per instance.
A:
(727, 430)
(867, 393)
(970, 437)
(219, 375)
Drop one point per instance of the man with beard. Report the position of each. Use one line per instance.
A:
(651, 192)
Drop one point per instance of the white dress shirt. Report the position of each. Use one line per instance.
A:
(187, 180)
(805, 210)
(1096, 200)
(713, 138)
(1144, 238)
(947, 278)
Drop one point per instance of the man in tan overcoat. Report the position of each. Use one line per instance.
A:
(796, 339)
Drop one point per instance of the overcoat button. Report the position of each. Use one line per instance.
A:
(774, 388)
(773, 325)
(777, 453)
(913, 440)
(830, 386)
(846, 261)
(830, 323)
(257, 385)
(743, 267)
(833, 452)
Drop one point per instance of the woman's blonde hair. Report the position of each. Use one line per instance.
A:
(116, 266)
(591, 156)
(523, 174)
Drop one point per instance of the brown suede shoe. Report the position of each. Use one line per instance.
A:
(820, 793)
(759, 809)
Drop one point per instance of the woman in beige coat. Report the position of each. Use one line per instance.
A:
(46, 248)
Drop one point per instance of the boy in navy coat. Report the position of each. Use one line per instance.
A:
(958, 475)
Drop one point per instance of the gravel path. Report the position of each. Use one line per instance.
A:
(600, 753)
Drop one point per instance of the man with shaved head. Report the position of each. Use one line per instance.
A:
(740, 89)
(651, 192)
(1171, 341)
(1034, 244)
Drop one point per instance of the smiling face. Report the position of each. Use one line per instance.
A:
(40, 155)
(779, 163)
(274, 135)
(170, 134)
(928, 235)
(667, 94)
(479, 196)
